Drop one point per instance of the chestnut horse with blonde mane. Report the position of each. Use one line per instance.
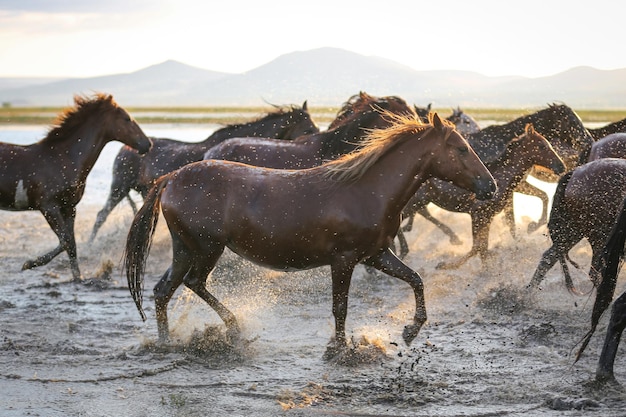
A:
(341, 213)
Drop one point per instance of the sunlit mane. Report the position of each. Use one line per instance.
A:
(73, 117)
(378, 141)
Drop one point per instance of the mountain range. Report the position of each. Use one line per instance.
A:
(325, 77)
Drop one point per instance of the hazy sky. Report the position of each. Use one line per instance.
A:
(84, 38)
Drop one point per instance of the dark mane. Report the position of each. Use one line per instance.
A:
(490, 142)
(278, 112)
(354, 104)
(74, 117)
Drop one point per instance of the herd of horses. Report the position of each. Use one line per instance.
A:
(286, 195)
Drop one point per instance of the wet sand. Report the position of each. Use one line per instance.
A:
(488, 348)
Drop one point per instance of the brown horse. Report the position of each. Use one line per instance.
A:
(610, 146)
(50, 175)
(559, 124)
(360, 113)
(341, 213)
(134, 172)
(520, 155)
(586, 202)
(612, 259)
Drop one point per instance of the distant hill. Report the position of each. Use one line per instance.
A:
(326, 76)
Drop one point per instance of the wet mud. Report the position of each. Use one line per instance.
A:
(489, 347)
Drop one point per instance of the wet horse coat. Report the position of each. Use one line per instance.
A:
(340, 214)
(50, 175)
(132, 171)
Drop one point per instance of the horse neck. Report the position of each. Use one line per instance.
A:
(268, 127)
(82, 145)
(511, 168)
(347, 136)
(615, 127)
(398, 174)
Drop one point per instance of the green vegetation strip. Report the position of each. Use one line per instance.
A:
(229, 115)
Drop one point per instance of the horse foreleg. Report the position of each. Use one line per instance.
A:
(548, 259)
(454, 239)
(117, 194)
(389, 263)
(617, 323)
(404, 245)
(341, 277)
(527, 188)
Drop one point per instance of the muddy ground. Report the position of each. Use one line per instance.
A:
(488, 349)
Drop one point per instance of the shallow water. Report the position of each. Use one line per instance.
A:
(488, 348)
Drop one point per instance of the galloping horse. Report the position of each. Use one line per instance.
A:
(520, 155)
(341, 213)
(612, 257)
(50, 175)
(360, 113)
(559, 124)
(134, 172)
(586, 202)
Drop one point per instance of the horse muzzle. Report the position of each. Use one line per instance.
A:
(144, 146)
(485, 188)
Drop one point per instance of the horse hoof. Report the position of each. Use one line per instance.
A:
(454, 240)
(410, 332)
(532, 227)
(334, 349)
(28, 265)
(444, 265)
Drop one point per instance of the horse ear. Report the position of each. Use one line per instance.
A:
(529, 129)
(304, 105)
(436, 121)
(430, 105)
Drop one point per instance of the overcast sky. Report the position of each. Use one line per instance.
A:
(84, 38)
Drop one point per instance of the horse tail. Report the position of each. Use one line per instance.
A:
(612, 259)
(557, 221)
(139, 241)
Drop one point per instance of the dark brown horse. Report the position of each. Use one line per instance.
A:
(559, 124)
(612, 258)
(586, 202)
(360, 113)
(615, 127)
(341, 213)
(134, 172)
(509, 169)
(610, 146)
(50, 175)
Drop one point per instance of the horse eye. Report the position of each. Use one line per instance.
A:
(463, 150)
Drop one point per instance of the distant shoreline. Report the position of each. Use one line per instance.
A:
(230, 115)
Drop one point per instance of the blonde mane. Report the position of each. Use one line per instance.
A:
(377, 143)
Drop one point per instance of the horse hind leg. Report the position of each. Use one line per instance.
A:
(62, 224)
(195, 280)
(617, 323)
